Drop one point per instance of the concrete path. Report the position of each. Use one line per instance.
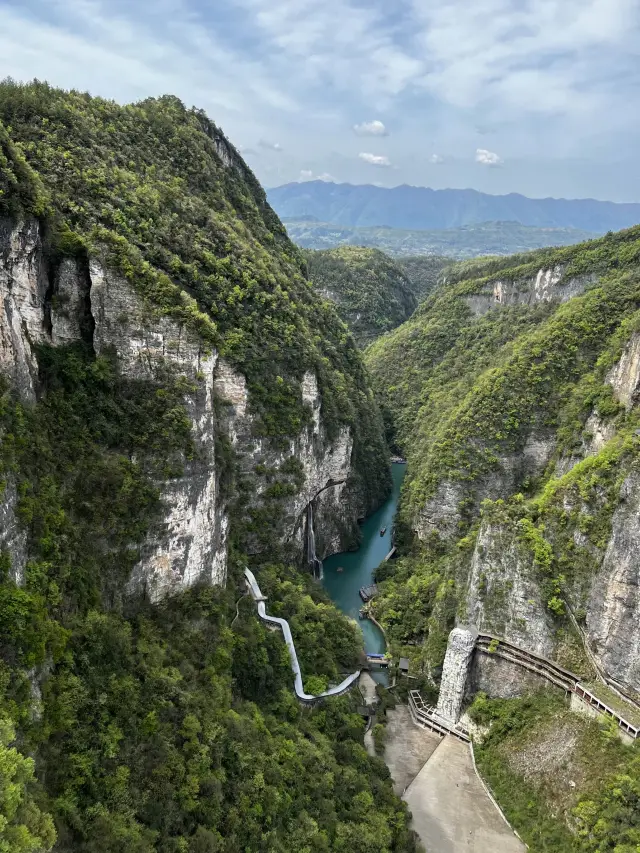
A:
(368, 689)
(259, 598)
(451, 810)
(407, 747)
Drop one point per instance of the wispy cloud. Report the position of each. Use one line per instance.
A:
(557, 79)
(436, 159)
(371, 128)
(308, 175)
(375, 159)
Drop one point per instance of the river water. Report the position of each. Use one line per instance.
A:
(358, 566)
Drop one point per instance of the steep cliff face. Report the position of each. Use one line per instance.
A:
(613, 602)
(548, 285)
(84, 300)
(503, 595)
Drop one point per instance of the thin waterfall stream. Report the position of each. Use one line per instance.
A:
(315, 563)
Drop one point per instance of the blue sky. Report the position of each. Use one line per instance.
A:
(537, 97)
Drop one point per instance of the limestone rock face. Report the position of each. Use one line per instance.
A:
(326, 466)
(624, 377)
(613, 608)
(86, 301)
(23, 288)
(441, 513)
(454, 673)
(13, 537)
(548, 285)
(503, 594)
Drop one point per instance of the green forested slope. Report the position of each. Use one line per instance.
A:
(469, 386)
(371, 291)
(170, 728)
(461, 392)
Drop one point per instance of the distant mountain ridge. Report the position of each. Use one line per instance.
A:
(424, 208)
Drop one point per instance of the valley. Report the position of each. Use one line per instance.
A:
(197, 418)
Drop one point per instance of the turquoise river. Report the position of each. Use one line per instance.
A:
(358, 566)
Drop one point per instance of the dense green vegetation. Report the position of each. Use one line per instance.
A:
(371, 291)
(486, 238)
(171, 728)
(161, 195)
(461, 392)
(148, 737)
(468, 386)
(519, 759)
(424, 272)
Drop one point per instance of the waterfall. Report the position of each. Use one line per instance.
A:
(314, 562)
(454, 673)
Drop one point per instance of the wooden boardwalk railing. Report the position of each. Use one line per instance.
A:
(422, 715)
(554, 673)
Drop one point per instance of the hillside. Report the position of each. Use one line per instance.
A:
(177, 403)
(513, 393)
(367, 206)
(371, 291)
(469, 241)
(424, 272)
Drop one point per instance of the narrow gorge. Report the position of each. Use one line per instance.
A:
(189, 429)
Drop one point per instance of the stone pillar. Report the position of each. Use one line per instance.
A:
(454, 673)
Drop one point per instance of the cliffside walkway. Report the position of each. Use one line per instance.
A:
(306, 698)
(552, 672)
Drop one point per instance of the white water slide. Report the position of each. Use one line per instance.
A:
(308, 698)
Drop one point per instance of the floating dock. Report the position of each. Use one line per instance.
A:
(368, 592)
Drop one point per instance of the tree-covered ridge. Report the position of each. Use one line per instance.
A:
(171, 728)
(424, 272)
(371, 291)
(425, 370)
(158, 191)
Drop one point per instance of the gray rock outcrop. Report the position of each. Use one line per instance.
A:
(86, 301)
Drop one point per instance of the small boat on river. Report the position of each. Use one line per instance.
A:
(383, 531)
(340, 569)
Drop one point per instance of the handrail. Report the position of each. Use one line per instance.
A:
(554, 673)
(307, 698)
(422, 715)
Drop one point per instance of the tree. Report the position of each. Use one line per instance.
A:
(23, 827)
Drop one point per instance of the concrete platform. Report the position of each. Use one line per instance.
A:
(407, 747)
(451, 810)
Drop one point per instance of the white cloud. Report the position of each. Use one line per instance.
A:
(305, 175)
(371, 128)
(547, 57)
(436, 159)
(270, 146)
(375, 159)
(488, 158)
